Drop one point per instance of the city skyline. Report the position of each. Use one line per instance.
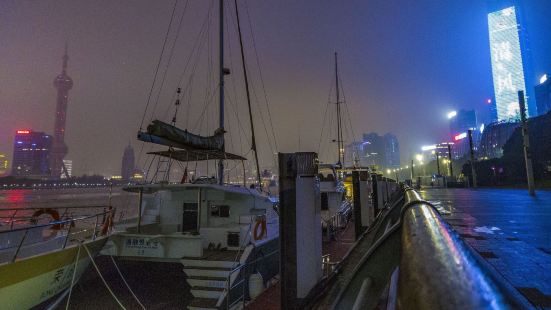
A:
(112, 68)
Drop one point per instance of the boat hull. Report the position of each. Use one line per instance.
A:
(34, 280)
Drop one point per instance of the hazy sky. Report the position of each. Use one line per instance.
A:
(403, 65)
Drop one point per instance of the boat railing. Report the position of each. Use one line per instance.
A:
(241, 281)
(35, 239)
(421, 263)
(238, 266)
(339, 220)
(16, 216)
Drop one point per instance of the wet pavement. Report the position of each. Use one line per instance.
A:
(509, 229)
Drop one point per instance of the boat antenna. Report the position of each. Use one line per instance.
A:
(221, 110)
(253, 142)
(340, 141)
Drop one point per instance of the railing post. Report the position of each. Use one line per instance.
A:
(19, 246)
(67, 237)
(95, 228)
(12, 217)
(140, 210)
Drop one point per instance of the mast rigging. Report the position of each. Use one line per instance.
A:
(253, 142)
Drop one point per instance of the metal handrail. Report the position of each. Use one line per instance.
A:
(429, 248)
(55, 222)
(436, 269)
(70, 223)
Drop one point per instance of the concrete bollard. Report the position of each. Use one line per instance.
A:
(299, 227)
(363, 215)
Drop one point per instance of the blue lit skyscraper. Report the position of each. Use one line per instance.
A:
(510, 60)
(31, 154)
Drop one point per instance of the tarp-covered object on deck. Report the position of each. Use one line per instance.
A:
(162, 133)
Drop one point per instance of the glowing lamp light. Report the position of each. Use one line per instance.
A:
(419, 157)
(24, 132)
(543, 79)
(428, 147)
(452, 114)
(489, 101)
(460, 136)
(482, 128)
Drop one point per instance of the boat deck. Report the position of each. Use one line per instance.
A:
(270, 299)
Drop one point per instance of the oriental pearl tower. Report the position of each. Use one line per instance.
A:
(63, 83)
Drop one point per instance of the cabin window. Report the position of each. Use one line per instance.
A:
(220, 211)
(324, 202)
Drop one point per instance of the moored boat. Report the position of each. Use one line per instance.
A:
(39, 263)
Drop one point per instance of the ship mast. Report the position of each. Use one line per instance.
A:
(340, 142)
(253, 143)
(221, 85)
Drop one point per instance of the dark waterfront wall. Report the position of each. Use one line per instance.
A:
(510, 169)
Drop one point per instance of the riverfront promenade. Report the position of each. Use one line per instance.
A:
(509, 229)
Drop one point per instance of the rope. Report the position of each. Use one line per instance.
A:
(126, 283)
(260, 75)
(159, 63)
(102, 278)
(74, 275)
(169, 59)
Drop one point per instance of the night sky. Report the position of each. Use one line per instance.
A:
(403, 64)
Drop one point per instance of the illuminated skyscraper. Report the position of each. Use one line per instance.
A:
(3, 164)
(63, 83)
(31, 154)
(511, 66)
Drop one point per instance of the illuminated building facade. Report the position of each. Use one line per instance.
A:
(462, 121)
(69, 167)
(543, 95)
(374, 151)
(511, 65)
(494, 137)
(31, 154)
(3, 164)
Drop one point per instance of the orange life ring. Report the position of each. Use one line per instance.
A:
(53, 213)
(260, 222)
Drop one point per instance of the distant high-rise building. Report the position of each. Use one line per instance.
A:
(69, 167)
(3, 164)
(31, 154)
(461, 121)
(128, 163)
(511, 63)
(63, 83)
(392, 151)
(374, 151)
(543, 95)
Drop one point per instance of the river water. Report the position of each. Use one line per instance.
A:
(124, 203)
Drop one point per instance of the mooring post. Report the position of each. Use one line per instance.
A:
(138, 229)
(374, 193)
(450, 160)
(299, 227)
(526, 145)
(362, 211)
(473, 162)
